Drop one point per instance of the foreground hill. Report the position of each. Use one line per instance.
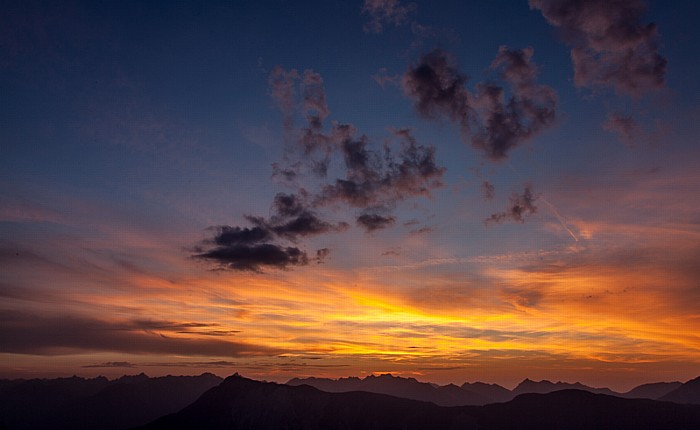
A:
(654, 390)
(78, 403)
(408, 388)
(544, 387)
(240, 403)
(686, 393)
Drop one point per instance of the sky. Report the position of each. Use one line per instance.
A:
(456, 191)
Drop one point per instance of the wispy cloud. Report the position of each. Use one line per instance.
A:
(43, 335)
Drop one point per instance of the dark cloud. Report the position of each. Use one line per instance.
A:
(374, 221)
(385, 12)
(521, 206)
(23, 333)
(437, 86)
(488, 190)
(231, 236)
(610, 45)
(321, 254)
(421, 230)
(489, 120)
(373, 180)
(260, 246)
(625, 126)
(254, 257)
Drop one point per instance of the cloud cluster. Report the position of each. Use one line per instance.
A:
(371, 180)
(609, 44)
(385, 12)
(265, 243)
(489, 119)
(520, 207)
(376, 179)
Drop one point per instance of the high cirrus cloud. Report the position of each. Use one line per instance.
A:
(609, 44)
(489, 119)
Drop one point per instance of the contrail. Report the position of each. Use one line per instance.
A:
(560, 218)
(551, 207)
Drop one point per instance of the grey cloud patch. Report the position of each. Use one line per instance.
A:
(489, 120)
(609, 44)
(373, 221)
(521, 206)
(24, 333)
(383, 12)
(383, 78)
(625, 126)
(488, 190)
(321, 254)
(376, 180)
(421, 230)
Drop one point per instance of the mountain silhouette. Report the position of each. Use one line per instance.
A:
(78, 403)
(408, 388)
(239, 403)
(653, 391)
(493, 392)
(686, 393)
(544, 387)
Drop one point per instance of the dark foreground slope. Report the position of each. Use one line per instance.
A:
(240, 403)
(686, 393)
(96, 404)
(407, 388)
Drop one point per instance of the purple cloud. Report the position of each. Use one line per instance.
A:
(489, 120)
(521, 206)
(610, 47)
(385, 12)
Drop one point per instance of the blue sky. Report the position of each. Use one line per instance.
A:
(135, 134)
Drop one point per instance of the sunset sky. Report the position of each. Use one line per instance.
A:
(452, 191)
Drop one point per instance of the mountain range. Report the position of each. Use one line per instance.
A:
(383, 401)
(240, 403)
(479, 393)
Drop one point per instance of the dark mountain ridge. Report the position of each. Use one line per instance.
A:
(408, 388)
(240, 403)
(688, 393)
(79, 403)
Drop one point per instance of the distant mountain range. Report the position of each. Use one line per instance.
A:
(381, 402)
(240, 403)
(479, 393)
